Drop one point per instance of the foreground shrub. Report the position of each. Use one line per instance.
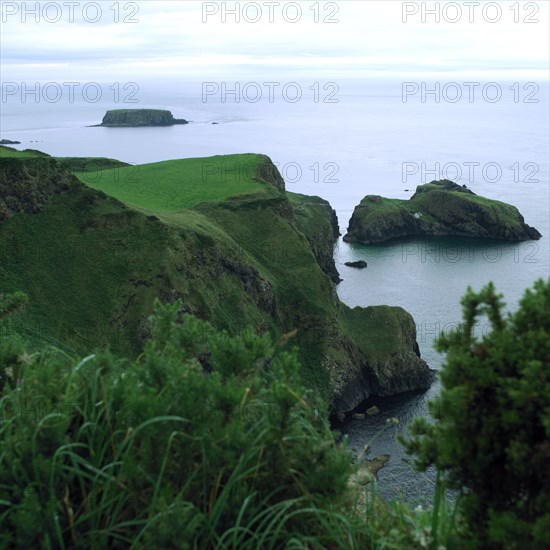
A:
(205, 440)
(492, 432)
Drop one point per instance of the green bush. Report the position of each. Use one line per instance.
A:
(491, 437)
(205, 440)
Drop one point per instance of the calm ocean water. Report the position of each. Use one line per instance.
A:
(369, 142)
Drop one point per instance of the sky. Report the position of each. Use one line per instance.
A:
(106, 40)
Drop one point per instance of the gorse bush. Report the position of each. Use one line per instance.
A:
(491, 436)
(205, 440)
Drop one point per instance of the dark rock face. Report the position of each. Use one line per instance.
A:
(404, 372)
(322, 234)
(439, 208)
(260, 290)
(361, 264)
(140, 117)
(268, 173)
(323, 246)
(386, 361)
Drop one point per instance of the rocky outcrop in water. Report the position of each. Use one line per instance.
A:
(139, 117)
(439, 208)
(387, 361)
(361, 264)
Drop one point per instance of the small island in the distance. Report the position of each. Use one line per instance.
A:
(134, 118)
(438, 208)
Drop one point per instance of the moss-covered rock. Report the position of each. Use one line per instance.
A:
(28, 183)
(439, 208)
(140, 117)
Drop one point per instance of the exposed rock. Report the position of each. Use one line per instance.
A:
(139, 117)
(387, 361)
(361, 264)
(358, 416)
(439, 208)
(267, 172)
(376, 464)
(371, 411)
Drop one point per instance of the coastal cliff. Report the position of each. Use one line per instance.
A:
(246, 255)
(139, 117)
(318, 222)
(439, 208)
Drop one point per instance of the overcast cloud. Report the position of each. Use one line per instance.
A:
(171, 39)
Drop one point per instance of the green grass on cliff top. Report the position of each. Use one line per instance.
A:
(418, 202)
(73, 164)
(10, 152)
(174, 185)
(138, 111)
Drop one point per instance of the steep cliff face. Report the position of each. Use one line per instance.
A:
(140, 117)
(93, 267)
(385, 358)
(318, 222)
(439, 208)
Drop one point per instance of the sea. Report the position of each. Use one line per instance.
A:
(341, 141)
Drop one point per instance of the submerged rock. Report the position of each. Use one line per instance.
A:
(439, 208)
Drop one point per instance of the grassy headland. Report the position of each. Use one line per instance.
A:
(220, 234)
